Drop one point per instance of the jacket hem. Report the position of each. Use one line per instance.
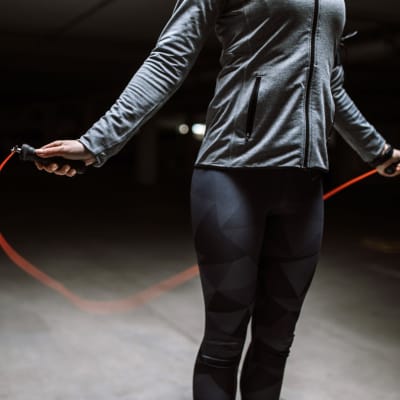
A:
(258, 167)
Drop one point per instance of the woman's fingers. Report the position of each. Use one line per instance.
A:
(70, 149)
(56, 150)
(395, 159)
(56, 143)
(51, 168)
(63, 170)
(39, 166)
(66, 170)
(71, 173)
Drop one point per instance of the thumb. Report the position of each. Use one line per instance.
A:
(55, 143)
(56, 150)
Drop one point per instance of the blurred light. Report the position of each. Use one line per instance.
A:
(387, 246)
(198, 131)
(183, 129)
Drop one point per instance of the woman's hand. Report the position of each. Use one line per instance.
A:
(69, 149)
(395, 158)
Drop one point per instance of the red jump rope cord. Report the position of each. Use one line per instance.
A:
(349, 183)
(7, 159)
(131, 302)
(98, 307)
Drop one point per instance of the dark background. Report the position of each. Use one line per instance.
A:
(120, 229)
(65, 62)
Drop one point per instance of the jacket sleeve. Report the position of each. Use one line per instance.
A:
(351, 124)
(161, 74)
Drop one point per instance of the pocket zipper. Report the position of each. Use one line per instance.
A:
(252, 108)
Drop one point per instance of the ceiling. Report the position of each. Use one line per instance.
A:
(116, 20)
(73, 43)
(134, 20)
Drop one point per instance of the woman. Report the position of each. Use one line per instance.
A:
(256, 197)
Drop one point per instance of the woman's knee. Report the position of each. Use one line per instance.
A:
(273, 347)
(225, 353)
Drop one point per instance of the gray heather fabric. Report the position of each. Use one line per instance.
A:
(268, 88)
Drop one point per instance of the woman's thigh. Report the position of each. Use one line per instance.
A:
(257, 234)
(288, 260)
(227, 230)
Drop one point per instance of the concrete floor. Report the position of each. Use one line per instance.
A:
(347, 341)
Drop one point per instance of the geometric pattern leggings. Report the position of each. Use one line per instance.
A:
(257, 235)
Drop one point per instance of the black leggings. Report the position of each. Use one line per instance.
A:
(257, 236)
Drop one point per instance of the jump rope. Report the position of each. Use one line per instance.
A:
(27, 153)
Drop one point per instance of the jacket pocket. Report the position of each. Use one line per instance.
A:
(251, 112)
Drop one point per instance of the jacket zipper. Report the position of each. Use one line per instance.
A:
(251, 114)
(309, 81)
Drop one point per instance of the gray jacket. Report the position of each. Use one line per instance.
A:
(278, 93)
